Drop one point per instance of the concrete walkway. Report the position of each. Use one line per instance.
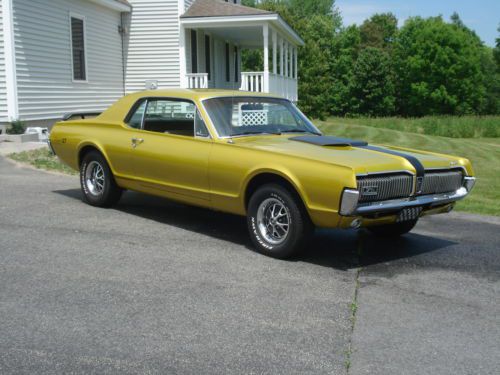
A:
(11, 147)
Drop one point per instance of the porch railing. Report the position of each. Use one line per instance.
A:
(283, 86)
(197, 80)
(252, 81)
(278, 85)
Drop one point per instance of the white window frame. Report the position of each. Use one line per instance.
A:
(85, 47)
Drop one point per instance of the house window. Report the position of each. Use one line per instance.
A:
(228, 74)
(78, 48)
(207, 55)
(194, 52)
(236, 73)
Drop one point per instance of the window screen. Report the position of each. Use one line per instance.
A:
(78, 49)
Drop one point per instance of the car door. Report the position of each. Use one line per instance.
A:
(118, 144)
(171, 150)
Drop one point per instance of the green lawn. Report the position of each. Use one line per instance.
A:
(447, 126)
(484, 153)
(42, 158)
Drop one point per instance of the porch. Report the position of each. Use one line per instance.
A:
(211, 46)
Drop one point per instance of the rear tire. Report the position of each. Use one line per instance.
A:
(393, 230)
(278, 224)
(97, 181)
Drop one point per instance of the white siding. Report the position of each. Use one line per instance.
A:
(43, 58)
(3, 88)
(152, 44)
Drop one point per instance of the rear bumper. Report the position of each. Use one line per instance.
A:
(349, 208)
(50, 147)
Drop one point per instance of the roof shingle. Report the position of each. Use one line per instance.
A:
(219, 8)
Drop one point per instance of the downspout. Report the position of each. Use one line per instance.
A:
(10, 60)
(123, 33)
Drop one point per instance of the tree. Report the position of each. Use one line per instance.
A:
(316, 22)
(345, 49)
(438, 66)
(496, 51)
(379, 30)
(312, 7)
(372, 86)
(491, 76)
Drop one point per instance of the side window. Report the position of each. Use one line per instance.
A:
(135, 120)
(170, 116)
(200, 129)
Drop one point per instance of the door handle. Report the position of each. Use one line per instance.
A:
(136, 141)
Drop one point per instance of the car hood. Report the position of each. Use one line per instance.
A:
(361, 160)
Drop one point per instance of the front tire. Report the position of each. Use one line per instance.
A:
(97, 182)
(278, 224)
(393, 230)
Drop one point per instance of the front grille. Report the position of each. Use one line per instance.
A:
(393, 186)
(379, 188)
(436, 182)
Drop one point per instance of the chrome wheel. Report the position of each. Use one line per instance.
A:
(94, 178)
(273, 220)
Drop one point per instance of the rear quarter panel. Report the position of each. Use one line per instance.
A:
(111, 139)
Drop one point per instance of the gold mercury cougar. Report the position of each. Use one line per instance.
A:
(255, 155)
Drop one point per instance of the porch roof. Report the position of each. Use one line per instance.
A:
(217, 8)
(222, 16)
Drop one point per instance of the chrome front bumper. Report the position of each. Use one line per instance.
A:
(350, 207)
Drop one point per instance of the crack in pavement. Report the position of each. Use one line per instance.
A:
(354, 303)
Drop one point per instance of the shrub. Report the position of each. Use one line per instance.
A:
(16, 127)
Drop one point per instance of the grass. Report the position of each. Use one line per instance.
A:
(446, 126)
(484, 153)
(42, 159)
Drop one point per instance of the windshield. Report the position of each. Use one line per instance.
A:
(238, 116)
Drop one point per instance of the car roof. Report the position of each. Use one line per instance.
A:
(119, 110)
(199, 94)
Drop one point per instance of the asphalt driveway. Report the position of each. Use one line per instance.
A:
(155, 287)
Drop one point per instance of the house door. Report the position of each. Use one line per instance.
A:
(220, 64)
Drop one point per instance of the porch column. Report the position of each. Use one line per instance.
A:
(265, 31)
(182, 57)
(296, 63)
(281, 57)
(275, 43)
(286, 59)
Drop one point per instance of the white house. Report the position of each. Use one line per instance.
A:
(60, 56)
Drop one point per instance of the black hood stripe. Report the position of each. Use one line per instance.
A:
(412, 159)
(325, 140)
